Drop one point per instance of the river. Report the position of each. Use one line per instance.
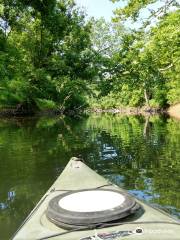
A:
(140, 154)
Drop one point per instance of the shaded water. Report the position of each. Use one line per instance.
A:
(141, 155)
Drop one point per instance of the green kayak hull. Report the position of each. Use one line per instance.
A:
(153, 223)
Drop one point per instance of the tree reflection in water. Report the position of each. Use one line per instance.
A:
(140, 154)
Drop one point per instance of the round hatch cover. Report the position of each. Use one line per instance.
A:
(89, 207)
(91, 201)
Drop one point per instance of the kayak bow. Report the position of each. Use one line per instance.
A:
(82, 205)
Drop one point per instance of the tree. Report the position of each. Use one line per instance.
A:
(154, 9)
(106, 40)
(164, 47)
(51, 42)
(145, 66)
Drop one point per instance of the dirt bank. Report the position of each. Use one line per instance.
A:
(23, 112)
(174, 111)
(129, 110)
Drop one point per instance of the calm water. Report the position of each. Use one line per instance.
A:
(141, 155)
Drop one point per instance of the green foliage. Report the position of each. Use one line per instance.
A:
(123, 98)
(51, 56)
(164, 46)
(152, 9)
(43, 43)
(71, 94)
(106, 42)
(44, 104)
(132, 8)
(144, 69)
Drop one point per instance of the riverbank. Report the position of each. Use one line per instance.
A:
(21, 112)
(129, 110)
(16, 112)
(174, 111)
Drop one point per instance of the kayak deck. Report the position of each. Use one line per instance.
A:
(153, 224)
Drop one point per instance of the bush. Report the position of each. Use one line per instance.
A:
(71, 94)
(44, 104)
(153, 103)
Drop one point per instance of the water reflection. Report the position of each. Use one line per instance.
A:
(10, 198)
(139, 154)
(108, 152)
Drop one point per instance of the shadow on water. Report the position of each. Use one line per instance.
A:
(139, 154)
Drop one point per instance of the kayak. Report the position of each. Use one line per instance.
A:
(82, 205)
